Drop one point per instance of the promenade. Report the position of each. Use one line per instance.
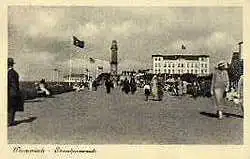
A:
(94, 117)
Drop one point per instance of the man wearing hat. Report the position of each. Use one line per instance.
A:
(14, 95)
(220, 85)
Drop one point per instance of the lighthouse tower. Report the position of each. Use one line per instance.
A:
(113, 60)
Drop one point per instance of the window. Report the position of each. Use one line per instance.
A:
(172, 71)
(173, 65)
(165, 65)
(196, 71)
(192, 71)
(182, 65)
(155, 71)
(205, 65)
(165, 70)
(202, 65)
(187, 65)
(179, 71)
(202, 71)
(159, 71)
(196, 65)
(169, 65)
(159, 64)
(155, 59)
(179, 64)
(187, 71)
(169, 71)
(192, 65)
(155, 64)
(159, 59)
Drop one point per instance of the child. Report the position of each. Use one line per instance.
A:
(146, 91)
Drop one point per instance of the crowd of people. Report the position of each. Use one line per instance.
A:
(156, 87)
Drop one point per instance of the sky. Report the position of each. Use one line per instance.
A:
(40, 38)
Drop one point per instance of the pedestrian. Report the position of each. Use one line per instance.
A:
(132, 85)
(15, 98)
(108, 84)
(43, 87)
(240, 93)
(146, 90)
(126, 86)
(160, 87)
(154, 87)
(219, 86)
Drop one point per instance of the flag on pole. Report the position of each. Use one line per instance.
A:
(100, 68)
(183, 47)
(91, 60)
(78, 42)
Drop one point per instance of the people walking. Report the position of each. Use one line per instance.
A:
(126, 86)
(132, 85)
(160, 87)
(154, 87)
(220, 85)
(108, 84)
(15, 100)
(146, 90)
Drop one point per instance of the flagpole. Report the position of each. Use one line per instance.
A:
(70, 63)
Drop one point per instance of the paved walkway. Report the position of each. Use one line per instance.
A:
(98, 118)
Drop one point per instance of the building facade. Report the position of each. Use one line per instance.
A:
(181, 64)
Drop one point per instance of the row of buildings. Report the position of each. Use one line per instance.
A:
(177, 65)
(180, 64)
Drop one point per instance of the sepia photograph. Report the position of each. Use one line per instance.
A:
(95, 75)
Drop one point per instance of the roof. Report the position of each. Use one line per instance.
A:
(175, 57)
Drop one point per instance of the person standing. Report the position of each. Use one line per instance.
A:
(154, 87)
(108, 84)
(146, 90)
(132, 85)
(240, 93)
(126, 86)
(160, 87)
(15, 102)
(219, 86)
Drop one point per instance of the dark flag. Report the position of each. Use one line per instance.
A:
(183, 47)
(100, 68)
(92, 60)
(78, 42)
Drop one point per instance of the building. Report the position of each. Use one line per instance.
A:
(181, 64)
(236, 67)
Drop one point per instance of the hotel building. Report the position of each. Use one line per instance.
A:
(181, 64)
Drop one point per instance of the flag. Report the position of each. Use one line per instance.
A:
(183, 47)
(92, 60)
(78, 42)
(100, 67)
(240, 43)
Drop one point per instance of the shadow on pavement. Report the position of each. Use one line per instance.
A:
(29, 120)
(33, 101)
(232, 115)
(212, 115)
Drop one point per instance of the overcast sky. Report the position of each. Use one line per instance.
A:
(40, 38)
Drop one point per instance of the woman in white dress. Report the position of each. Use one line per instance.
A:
(154, 87)
(220, 85)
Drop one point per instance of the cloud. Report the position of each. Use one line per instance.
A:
(45, 33)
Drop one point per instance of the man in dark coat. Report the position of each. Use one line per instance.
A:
(15, 100)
